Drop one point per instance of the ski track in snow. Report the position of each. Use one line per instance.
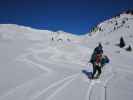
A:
(24, 58)
(42, 67)
(105, 83)
(53, 85)
(60, 88)
(89, 91)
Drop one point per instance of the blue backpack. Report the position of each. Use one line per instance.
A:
(105, 60)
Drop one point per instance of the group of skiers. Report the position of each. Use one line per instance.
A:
(98, 60)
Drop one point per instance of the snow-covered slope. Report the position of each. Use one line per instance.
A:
(113, 29)
(120, 85)
(45, 65)
(13, 31)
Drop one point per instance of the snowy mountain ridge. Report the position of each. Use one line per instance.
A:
(26, 32)
(109, 26)
(111, 30)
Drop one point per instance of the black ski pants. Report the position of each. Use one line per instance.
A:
(95, 69)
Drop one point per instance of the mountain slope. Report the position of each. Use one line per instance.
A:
(46, 65)
(119, 87)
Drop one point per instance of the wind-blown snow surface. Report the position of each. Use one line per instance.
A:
(46, 65)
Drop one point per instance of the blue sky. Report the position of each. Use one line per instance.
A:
(75, 16)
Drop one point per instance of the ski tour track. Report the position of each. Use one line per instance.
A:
(58, 84)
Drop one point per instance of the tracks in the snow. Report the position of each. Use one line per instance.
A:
(62, 83)
(68, 80)
(52, 89)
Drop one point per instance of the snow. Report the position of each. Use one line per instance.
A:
(46, 65)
